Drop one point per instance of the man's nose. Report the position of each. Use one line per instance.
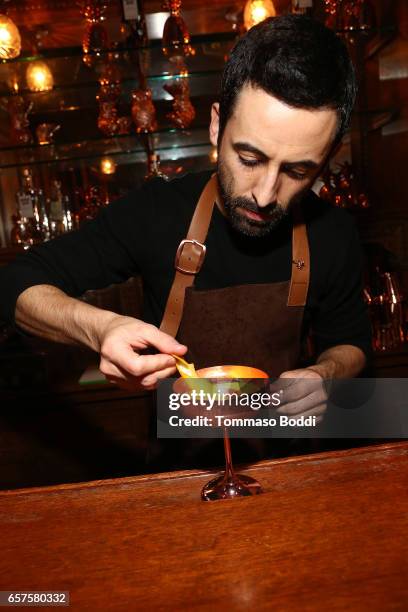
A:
(266, 189)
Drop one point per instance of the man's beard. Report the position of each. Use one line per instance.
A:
(275, 212)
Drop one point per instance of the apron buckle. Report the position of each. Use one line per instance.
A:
(190, 256)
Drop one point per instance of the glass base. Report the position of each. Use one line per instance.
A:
(237, 485)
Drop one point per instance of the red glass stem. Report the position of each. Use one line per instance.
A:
(229, 470)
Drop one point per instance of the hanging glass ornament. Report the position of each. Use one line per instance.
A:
(95, 39)
(176, 39)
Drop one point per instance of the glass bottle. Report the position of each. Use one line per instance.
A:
(44, 221)
(68, 215)
(27, 209)
(56, 209)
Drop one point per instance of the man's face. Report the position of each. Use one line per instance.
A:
(269, 155)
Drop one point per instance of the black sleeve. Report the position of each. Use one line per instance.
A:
(105, 250)
(342, 316)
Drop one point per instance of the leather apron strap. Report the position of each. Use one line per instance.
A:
(299, 282)
(189, 257)
(191, 253)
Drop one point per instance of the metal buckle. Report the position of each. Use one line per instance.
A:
(180, 251)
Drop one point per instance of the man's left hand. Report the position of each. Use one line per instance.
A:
(303, 393)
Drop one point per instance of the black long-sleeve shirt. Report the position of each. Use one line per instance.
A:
(139, 234)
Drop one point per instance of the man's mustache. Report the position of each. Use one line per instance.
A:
(251, 206)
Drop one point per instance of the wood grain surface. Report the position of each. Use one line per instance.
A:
(329, 533)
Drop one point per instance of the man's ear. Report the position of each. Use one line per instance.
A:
(215, 123)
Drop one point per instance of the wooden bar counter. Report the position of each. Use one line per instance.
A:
(330, 533)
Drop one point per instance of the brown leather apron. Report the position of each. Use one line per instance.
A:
(257, 325)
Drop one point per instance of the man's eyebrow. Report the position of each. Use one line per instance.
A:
(246, 146)
(305, 163)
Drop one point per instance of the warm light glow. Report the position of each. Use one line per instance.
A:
(256, 11)
(13, 83)
(10, 40)
(108, 166)
(213, 155)
(39, 77)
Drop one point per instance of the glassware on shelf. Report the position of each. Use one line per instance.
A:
(95, 39)
(153, 167)
(350, 16)
(93, 202)
(108, 97)
(19, 109)
(124, 124)
(29, 222)
(143, 111)
(45, 132)
(108, 117)
(19, 234)
(183, 112)
(385, 302)
(340, 189)
(176, 39)
(56, 207)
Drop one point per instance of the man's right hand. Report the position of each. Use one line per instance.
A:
(121, 343)
(46, 311)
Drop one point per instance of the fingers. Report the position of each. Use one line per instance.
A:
(121, 363)
(162, 342)
(135, 383)
(298, 385)
(314, 402)
(151, 381)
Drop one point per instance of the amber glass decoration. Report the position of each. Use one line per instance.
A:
(110, 81)
(176, 39)
(350, 16)
(256, 11)
(340, 188)
(183, 111)
(45, 132)
(95, 39)
(10, 39)
(143, 111)
(19, 110)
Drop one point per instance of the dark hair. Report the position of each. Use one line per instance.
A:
(296, 59)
